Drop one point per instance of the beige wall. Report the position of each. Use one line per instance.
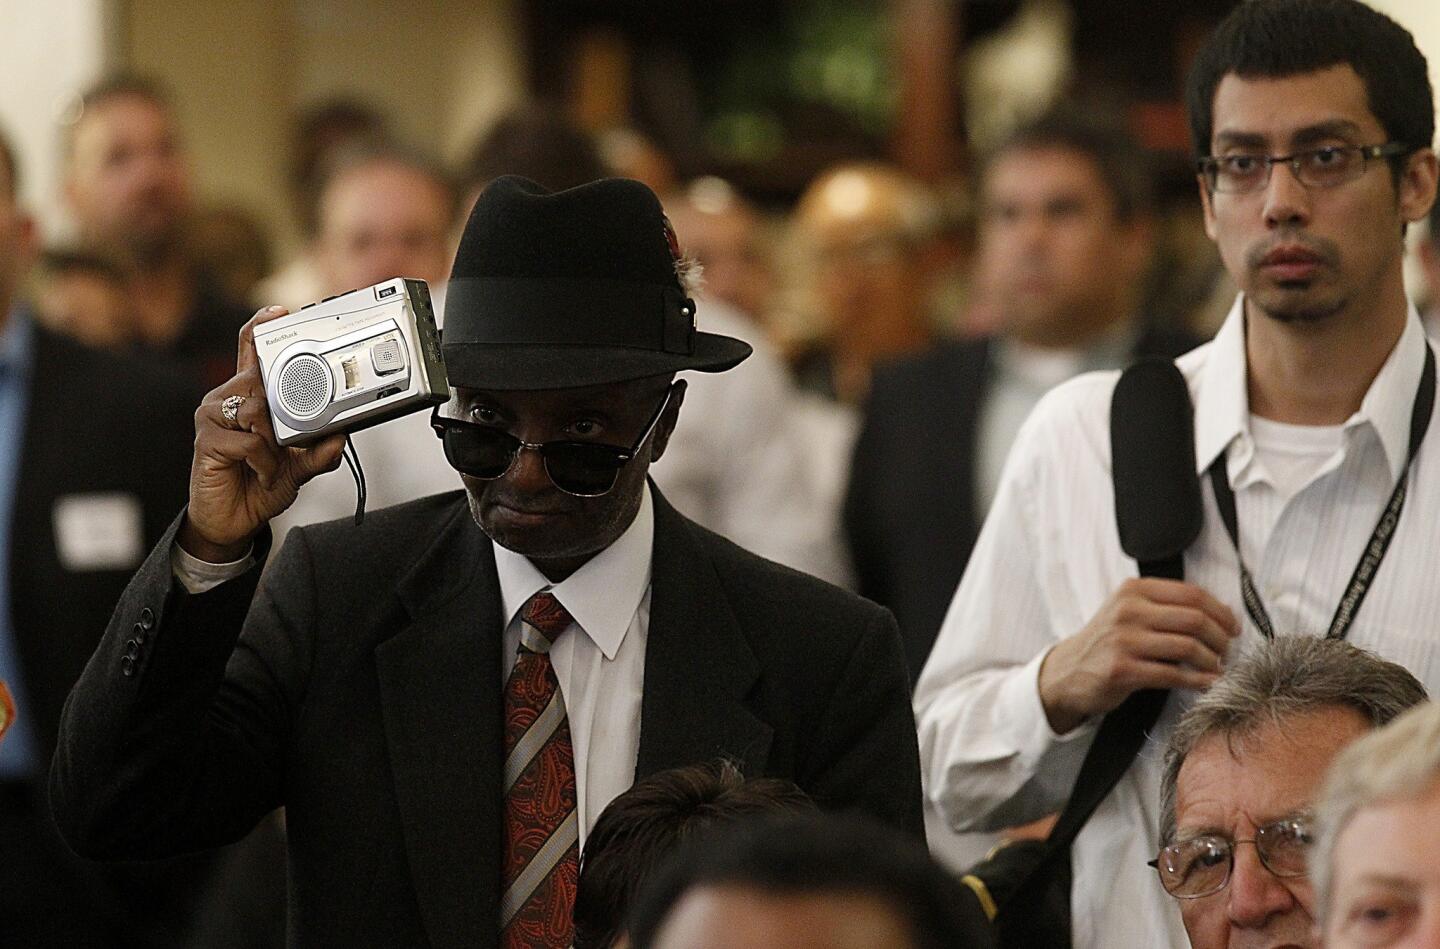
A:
(49, 51)
(1422, 18)
(440, 69)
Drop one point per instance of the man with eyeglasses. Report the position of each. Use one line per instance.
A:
(1242, 774)
(1314, 121)
(446, 698)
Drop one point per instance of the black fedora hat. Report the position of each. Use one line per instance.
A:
(571, 288)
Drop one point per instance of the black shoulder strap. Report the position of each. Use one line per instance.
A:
(1155, 483)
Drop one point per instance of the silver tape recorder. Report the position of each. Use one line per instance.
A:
(352, 361)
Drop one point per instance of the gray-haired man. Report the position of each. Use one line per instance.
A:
(1243, 767)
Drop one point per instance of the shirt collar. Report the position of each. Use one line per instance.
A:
(603, 595)
(1222, 401)
(1049, 367)
(1390, 401)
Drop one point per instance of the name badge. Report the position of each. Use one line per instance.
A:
(99, 531)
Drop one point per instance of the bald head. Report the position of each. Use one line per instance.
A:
(872, 229)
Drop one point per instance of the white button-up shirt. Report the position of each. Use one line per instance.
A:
(599, 660)
(1048, 557)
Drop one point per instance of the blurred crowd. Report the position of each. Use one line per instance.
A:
(902, 335)
(871, 265)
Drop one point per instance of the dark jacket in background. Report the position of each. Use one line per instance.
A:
(97, 425)
(909, 516)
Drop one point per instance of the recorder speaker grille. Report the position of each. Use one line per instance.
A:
(305, 384)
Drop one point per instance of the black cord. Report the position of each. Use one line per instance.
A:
(352, 458)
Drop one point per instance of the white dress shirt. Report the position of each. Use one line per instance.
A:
(1048, 557)
(756, 461)
(1022, 374)
(599, 660)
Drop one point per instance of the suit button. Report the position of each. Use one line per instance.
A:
(139, 632)
(127, 666)
(147, 619)
(132, 649)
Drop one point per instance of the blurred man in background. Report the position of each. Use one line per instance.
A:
(767, 472)
(1065, 239)
(872, 231)
(127, 184)
(93, 450)
(382, 212)
(725, 233)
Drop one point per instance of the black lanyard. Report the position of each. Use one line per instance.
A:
(1379, 540)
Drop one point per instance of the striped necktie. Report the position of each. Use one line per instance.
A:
(542, 854)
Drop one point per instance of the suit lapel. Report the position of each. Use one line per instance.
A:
(699, 668)
(957, 437)
(441, 695)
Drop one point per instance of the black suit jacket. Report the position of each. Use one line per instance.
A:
(365, 694)
(96, 425)
(909, 514)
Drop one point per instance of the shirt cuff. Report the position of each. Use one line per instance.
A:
(199, 576)
(1034, 736)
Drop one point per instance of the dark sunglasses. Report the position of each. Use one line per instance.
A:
(584, 469)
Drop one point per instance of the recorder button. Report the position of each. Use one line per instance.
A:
(387, 357)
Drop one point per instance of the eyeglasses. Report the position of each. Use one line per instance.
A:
(584, 469)
(1203, 865)
(1324, 167)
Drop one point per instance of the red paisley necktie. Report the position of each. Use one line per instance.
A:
(542, 831)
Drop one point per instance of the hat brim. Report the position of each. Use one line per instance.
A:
(529, 367)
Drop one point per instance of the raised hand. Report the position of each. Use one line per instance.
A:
(240, 476)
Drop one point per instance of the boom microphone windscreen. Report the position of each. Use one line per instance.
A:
(1158, 508)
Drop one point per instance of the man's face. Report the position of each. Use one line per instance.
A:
(128, 183)
(381, 220)
(1060, 263)
(1385, 884)
(736, 917)
(872, 271)
(872, 285)
(523, 510)
(1230, 788)
(1305, 254)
